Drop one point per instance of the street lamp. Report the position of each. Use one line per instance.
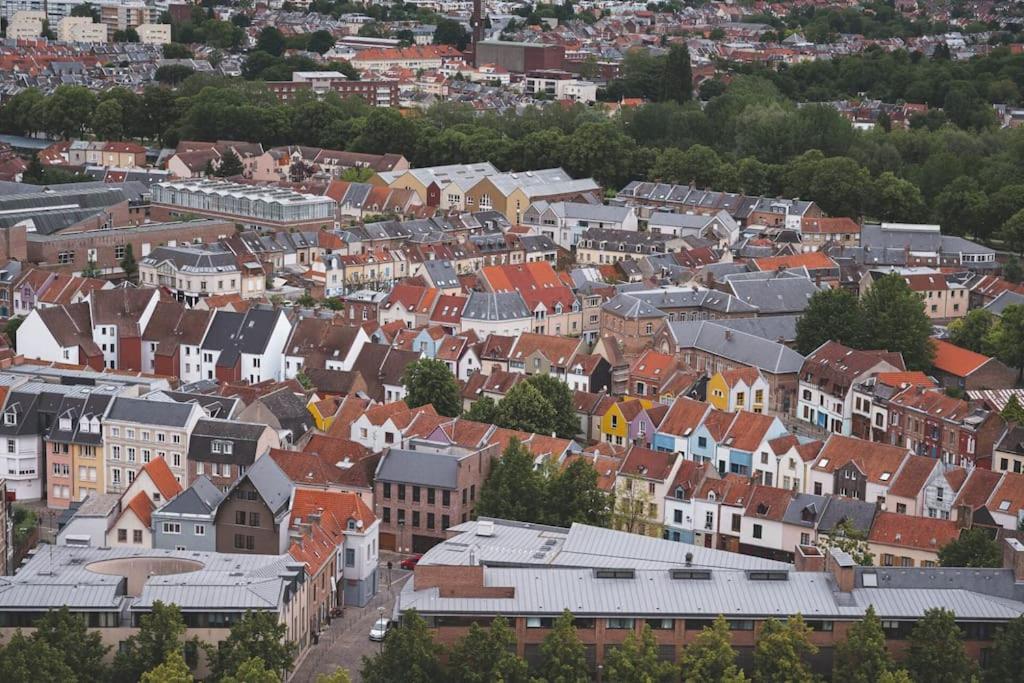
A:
(380, 613)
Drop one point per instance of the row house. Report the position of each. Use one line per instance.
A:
(191, 273)
(564, 222)
(409, 304)
(541, 354)
(631, 422)
(556, 310)
(871, 401)
(245, 346)
(494, 313)
(171, 341)
(186, 522)
(589, 372)
(827, 379)
(855, 468)
(318, 343)
(944, 299)
(330, 463)
(224, 449)
(641, 485)
(151, 488)
(75, 449)
(1008, 454)
(739, 389)
(378, 269)
(36, 288)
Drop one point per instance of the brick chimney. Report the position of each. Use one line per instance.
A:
(841, 566)
(1013, 557)
(808, 558)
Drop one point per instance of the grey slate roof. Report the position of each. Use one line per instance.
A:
(859, 513)
(804, 509)
(236, 333)
(271, 482)
(150, 412)
(1007, 298)
(201, 498)
(290, 411)
(690, 297)
(741, 347)
(630, 306)
(244, 437)
(442, 273)
(495, 306)
(775, 295)
(193, 259)
(439, 470)
(779, 328)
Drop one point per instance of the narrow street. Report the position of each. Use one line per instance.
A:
(346, 640)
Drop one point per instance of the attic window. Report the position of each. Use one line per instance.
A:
(762, 509)
(775, 575)
(870, 579)
(1004, 506)
(885, 476)
(10, 418)
(823, 462)
(692, 574)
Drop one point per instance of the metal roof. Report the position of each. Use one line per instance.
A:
(422, 468)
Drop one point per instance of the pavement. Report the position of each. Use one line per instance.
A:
(347, 639)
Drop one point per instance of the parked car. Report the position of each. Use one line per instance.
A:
(380, 629)
(410, 562)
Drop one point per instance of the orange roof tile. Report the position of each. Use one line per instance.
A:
(769, 503)
(914, 378)
(913, 476)
(653, 365)
(162, 477)
(955, 360)
(878, 461)
(812, 260)
(919, 533)
(143, 507)
(643, 462)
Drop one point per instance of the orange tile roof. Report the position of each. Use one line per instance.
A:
(919, 533)
(314, 549)
(717, 422)
(748, 430)
(648, 464)
(1009, 495)
(143, 508)
(812, 260)
(914, 378)
(767, 502)
(955, 360)
(913, 476)
(653, 365)
(538, 283)
(829, 225)
(379, 414)
(558, 350)
(746, 374)
(978, 488)
(342, 505)
(162, 477)
(875, 460)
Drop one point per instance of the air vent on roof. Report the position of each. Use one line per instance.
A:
(485, 528)
(769, 575)
(614, 574)
(691, 574)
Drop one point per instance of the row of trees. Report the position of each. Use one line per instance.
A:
(63, 649)
(935, 654)
(751, 137)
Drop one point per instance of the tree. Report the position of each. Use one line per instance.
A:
(129, 35)
(176, 51)
(974, 548)
(252, 670)
(11, 330)
(637, 661)
(862, 657)
(710, 658)
(485, 655)
(832, 314)
(572, 495)
(513, 488)
(429, 380)
(524, 408)
(230, 165)
(409, 654)
(897, 676)
(108, 120)
(271, 41)
(31, 660)
(484, 409)
(559, 396)
(895, 320)
(451, 32)
(1006, 659)
(320, 41)
(631, 506)
(1013, 411)
(86, 9)
(160, 633)
(971, 330)
(256, 634)
(781, 651)
(81, 649)
(850, 540)
(1012, 270)
(935, 651)
(128, 264)
(563, 656)
(68, 111)
(339, 676)
(677, 80)
(1012, 232)
(172, 670)
(1006, 339)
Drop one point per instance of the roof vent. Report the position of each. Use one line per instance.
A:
(485, 528)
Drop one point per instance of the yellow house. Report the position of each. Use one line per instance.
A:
(739, 389)
(616, 421)
(323, 413)
(87, 468)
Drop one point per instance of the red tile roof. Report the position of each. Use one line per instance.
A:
(538, 283)
(648, 464)
(878, 461)
(955, 360)
(162, 477)
(653, 365)
(143, 507)
(978, 488)
(769, 503)
(914, 378)
(748, 430)
(812, 260)
(919, 533)
(913, 476)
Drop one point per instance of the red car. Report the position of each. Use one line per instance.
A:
(410, 562)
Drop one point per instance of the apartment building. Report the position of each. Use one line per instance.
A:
(136, 430)
(192, 273)
(75, 449)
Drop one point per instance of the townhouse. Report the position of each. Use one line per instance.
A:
(540, 354)
(224, 449)
(495, 313)
(631, 421)
(827, 379)
(186, 521)
(719, 228)
(944, 298)
(642, 483)
(744, 448)
(903, 541)
(555, 308)
(739, 389)
(75, 449)
(171, 341)
(191, 273)
(255, 514)
(247, 346)
(600, 246)
(151, 488)
(564, 222)
(854, 468)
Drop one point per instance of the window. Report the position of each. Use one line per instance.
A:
(350, 557)
(387, 490)
(254, 519)
(244, 542)
(736, 523)
(119, 251)
(199, 530)
(415, 494)
(416, 518)
(136, 535)
(758, 532)
(445, 522)
(122, 535)
(65, 257)
(430, 496)
(430, 520)
(709, 520)
(387, 515)
(446, 499)
(661, 624)
(401, 492)
(620, 623)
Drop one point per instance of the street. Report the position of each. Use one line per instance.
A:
(344, 642)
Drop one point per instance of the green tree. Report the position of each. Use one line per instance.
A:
(128, 264)
(572, 495)
(563, 656)
(962, 208)
(86, 9)
(160, 633)
(513, 489)
(1013, 411)
(897, 676)
(230, 165)
(252, 670)
(256, 634)
(974, 548)
(831, 315)
(677, 79)
(1012, 270)
(935, 651)
(172, 74)
(172, 670)
(451, 32)
(1006, 339)
(339, 676)
(129, 35)
(560, 397)
(895, 199)
(971, 331)
(1012, 232)
(176, 51)
(271, 41)
(485, 655)
(781, 652)
(32, 660)
(320, 41)
(526, 409)
(1006, 659)
(895, 320)
(68, 111)
(409, 654)
(710, 658)
(81, 649)
(637, 661)
(429, 380)
(862, 657)
(108, 120)
(484, 409)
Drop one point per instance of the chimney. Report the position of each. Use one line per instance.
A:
(1013, 558)
(841, 566)
(808, 558)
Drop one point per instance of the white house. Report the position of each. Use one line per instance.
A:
(564, 222)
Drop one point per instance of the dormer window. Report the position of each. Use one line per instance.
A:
(10, 417)
(225, 447)
(65, 424)
(351, 525)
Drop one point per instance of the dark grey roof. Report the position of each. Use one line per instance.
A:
(629, 306)
(440, 470)
(207, 259)
(1007, 298)
(271, 482)
(775, 295)
(166, 413)
(290, 410)
(779, 328)
(201, 498)
(804, 510)
(495, 306)
(741, 347)
(48, 222)
(859, 513)
(242, 435)
(213, 405)
(876, 237)
(442, 273)
(237, 333)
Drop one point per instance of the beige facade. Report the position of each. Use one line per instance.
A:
(154, 34)
(26, 25)
(81, 30)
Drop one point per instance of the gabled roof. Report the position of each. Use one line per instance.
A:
(956, 361)
(768, 503)
(919, 533)
(710, 337)
(748, 430)
(559, 351)
(834, 365)
(879, 462)
(653, 365)
(912, 477)
(201, 498)
(978, 488)
(143, 508)
(162, 477)
(647, 464)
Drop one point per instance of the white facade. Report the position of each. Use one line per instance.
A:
(35, 340)
(22, 463)
(154, 34)
(81, 30)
